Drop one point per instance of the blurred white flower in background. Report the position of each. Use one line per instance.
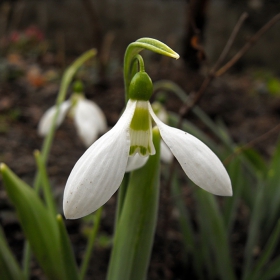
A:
(89, 119)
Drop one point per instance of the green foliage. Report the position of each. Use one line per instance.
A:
(256, 184)
(38, 224)
(207, 245)
(8, 265)
(136, 225)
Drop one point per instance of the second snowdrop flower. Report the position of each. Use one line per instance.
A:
(88, 118)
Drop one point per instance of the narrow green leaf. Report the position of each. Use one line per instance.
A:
(272, 195)
(216, 233)
(254, 231)
(9, 267)
(272, 271)
(91, 240)
(135, 230)
(186, 227)
(267, 253)
(38, 225)
(238, 182)
(70, 265)
(256, 161)
(184, 219)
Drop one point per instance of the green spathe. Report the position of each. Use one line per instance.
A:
(141, 87)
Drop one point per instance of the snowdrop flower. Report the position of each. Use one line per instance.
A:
(98, 173)
(88, 118)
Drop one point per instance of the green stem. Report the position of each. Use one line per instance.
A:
(96, 223)
(45, 183)
(66, 80)
(26, 260)
(121, 197)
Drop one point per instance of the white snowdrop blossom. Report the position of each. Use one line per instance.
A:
(99, 172)
(88, 118)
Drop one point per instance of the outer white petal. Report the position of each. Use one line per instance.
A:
(165, 153)
(201, 165)
(89, 121)
(99, 172)
(46, 120)
(135, 162)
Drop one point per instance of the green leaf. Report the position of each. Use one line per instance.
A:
(256, 161)
(186, 227)
(91, 240)
(272, 195)
(267, 253)
(254, 230)
(272, 270)
(38, 225)
(136, 226)
(70, 265)
(238, 182)
(211, 221)
(9, 268)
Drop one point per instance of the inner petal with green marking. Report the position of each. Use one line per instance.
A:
(141, 131)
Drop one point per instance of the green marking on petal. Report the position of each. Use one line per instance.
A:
(140, 131)
(141, 119)
(140, 149)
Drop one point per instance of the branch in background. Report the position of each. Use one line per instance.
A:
(253, 40)
(212, 73)
(252, 143)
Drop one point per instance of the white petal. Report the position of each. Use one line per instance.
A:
(201, 165)
(135, 162)
(99, 172)
(46, 120)
(165, 153)
(89, 121)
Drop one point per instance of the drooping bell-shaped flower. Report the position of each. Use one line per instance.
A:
(89, 119)
(98, 173)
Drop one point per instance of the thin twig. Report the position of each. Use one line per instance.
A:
(230, 42)
(252, 143)
(248, 45)
(212, 73)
